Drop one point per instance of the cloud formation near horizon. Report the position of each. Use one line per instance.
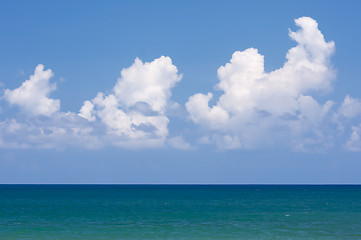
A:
(259, 108)
(132, 116)
(256, 109)
(135, 110)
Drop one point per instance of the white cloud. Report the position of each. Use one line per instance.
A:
(354, 142)
(33, 94)
(136, 108)
(149, 83)
(179, 143)
(259, 108)
(43, 125)
(350, 108)
(87, 111)
(60, 131)
(132, 116)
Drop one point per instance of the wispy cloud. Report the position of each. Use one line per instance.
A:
(179, 143)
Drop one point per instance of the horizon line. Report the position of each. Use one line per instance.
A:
(194, 184)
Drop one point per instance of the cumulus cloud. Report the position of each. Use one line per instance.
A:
(87, 111)
(133, 115)
(33, 94)
(149, 83)
(257, 107)
(42, 125)
(136, 108)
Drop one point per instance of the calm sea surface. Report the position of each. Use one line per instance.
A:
(179, 212)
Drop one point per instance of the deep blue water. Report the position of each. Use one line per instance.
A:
(180, 212)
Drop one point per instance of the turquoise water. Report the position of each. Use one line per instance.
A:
(179, 212)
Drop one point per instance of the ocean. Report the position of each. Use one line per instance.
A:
(180, 212)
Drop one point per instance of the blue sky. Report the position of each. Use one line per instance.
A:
(180, 92)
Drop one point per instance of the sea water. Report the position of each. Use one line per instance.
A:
(180, 212)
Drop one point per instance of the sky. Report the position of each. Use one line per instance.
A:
(219, 92)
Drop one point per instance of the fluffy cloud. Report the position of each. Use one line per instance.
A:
(33, 94)
(256, 108)
(148, 83)
(42, 125)
(133, 115)
(136, 108)
(260, 108)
